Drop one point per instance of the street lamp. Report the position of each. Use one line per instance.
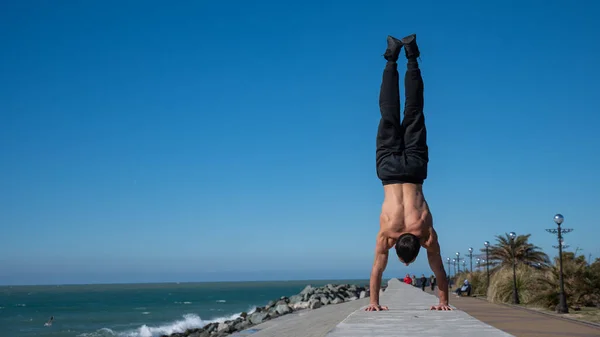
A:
(449, 270)
(513, 236)
(562, 307)
(471, 257)
(458, 260)
(487, 262)
(478, 263)
(465, 266)
(562, 245)
(454, 264)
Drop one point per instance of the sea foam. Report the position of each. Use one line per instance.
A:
(104, 332)
(189, 321)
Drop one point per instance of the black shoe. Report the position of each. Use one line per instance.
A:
(393, 49)
(410, 46)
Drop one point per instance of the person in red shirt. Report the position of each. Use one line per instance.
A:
(407, 279)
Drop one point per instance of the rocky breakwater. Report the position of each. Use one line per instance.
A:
(308, 299)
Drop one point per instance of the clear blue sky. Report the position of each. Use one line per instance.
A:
(201, 140)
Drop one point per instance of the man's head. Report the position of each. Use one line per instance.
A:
(407, 248)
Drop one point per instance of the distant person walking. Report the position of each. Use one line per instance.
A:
(432, 282)
(414, 281)
(423, 282)
(407, 279)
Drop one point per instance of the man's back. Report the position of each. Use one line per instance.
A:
(405, 210)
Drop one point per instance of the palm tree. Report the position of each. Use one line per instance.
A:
(501, 254)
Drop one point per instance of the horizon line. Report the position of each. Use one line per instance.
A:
(182, 282)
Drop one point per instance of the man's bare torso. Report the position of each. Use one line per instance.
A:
(405, 210)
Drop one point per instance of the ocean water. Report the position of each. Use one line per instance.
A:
(134, 310)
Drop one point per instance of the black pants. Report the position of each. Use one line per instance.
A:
(402, 154)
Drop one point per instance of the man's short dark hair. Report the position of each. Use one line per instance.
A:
(408, 247)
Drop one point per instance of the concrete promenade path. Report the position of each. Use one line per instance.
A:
(409, 315)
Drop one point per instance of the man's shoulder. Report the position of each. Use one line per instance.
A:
(429, 240)
(384, 242)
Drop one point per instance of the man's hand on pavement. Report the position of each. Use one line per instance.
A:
(443, 307)
(376, 307)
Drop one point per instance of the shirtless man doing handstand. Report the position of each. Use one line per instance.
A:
(402, 156)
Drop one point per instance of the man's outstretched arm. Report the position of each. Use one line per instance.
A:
(381, 259)
(437, 266)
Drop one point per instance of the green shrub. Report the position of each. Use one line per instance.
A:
(528, 285)
(581, 281)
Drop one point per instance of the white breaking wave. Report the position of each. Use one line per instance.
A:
(104, 332)
(189, 321)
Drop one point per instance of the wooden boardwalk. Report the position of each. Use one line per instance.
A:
(521, 322)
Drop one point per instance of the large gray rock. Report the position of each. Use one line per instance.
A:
(295, 299)
(300, 305)
(337, 300)
(258, 317)
(242, 325)
(307, 290)
(314, 304)
(272, 313)
(223, 327)
(350, 293)
(211, 327)
(283, 309)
